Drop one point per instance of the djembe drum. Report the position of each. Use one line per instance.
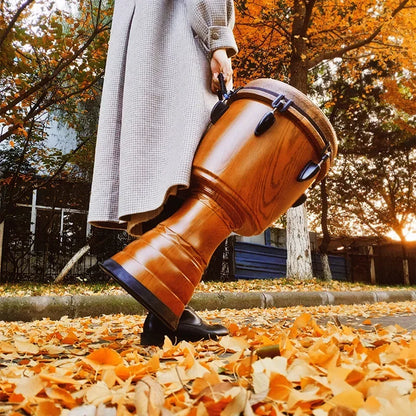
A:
(269, 143)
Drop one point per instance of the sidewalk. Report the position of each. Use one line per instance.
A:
(31, 308)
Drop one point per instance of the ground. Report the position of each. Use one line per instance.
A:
(327, 360)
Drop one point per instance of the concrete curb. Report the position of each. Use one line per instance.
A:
(54, 307)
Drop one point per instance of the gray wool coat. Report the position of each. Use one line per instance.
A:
(155, 104)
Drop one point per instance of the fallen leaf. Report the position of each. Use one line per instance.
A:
(235, 344)
(61, 395)
(280, 387)
(341, 411)
(85, 410)
(29, 387)
(98, 392)
(149, 397)
(105, 356)
(25, 347)
(351, 398)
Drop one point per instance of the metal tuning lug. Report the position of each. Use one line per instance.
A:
(265, 123)
(218, 110)
(311, 169)
(301, 200)
(281, 104)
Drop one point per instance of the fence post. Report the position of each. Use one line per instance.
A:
(33, 220)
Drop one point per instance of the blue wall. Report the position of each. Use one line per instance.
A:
(256, 261)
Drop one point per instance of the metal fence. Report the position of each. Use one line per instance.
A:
(40, 257)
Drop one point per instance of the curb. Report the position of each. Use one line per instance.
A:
(55, 307)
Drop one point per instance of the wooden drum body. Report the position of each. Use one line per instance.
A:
(253, 164)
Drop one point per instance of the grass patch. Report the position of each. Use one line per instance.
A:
(262, 285)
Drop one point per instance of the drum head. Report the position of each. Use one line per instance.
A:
(306, 114)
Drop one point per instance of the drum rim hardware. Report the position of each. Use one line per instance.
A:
(285, 99)
(281, 104)
(222, 105)
(292, 106)
(311, 169)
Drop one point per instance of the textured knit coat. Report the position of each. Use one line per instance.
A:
(155, 104)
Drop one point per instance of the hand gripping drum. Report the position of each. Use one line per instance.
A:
(268, 145)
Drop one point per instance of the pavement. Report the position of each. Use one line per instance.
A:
(31, 308)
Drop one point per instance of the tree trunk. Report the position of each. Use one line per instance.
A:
(299, 259)
(1, 244)
(326, 269)
(326, 238)
(299, 263)
(406, 276)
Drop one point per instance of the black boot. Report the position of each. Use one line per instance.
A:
(190, 328)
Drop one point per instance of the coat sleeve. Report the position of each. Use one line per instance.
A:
(213, 23)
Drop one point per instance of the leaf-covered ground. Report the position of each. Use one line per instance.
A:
(278, 285)
(293, 361)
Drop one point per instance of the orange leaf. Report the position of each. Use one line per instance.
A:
(280, 387)
(16, 398)
(301, 322)
(355, 377)
(341, 411)
(351, 398)
(137, 371)
(324, 354)
(154, 363)
(70, 338)
(123, 371)
(176, 400)
(412, 396)
(62, 395)
(58, 379)
(105, 356)
(242, 367)
(48, 408)
(215, 408)
(372, 404)
(206, 381)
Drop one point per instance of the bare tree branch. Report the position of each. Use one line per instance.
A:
(356, 45)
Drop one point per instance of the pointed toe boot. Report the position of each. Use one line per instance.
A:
(190, 328)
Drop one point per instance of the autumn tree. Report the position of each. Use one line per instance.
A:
(51, 62)
(290, 40)
(372, 185)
